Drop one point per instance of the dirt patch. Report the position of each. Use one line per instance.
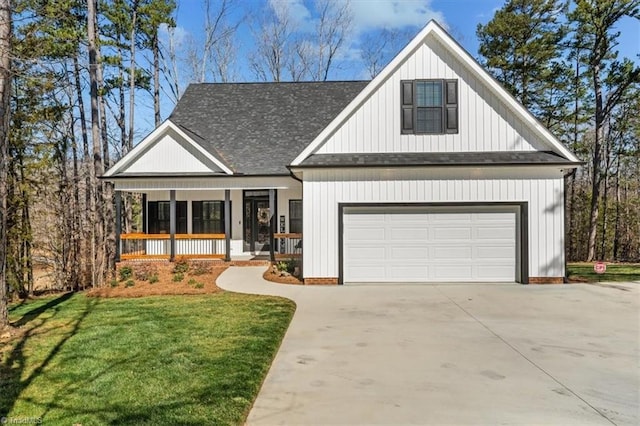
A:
(140, 279)
(272, 274)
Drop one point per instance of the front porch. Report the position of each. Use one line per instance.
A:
(198, 219)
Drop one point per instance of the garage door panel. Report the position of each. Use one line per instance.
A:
(456, 252)
(493, 252)
(408, 234)
(427, 244)
(408, 253)
(450, 233)
(495, 232)
(407, 273)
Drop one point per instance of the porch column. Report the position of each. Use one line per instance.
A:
(272, 223)
(227, 225)
(145, 225)
(172, 225)
(118, 197)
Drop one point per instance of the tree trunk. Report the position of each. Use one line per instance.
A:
(156, 79)
(5, 114)
(595, 164)
(97, 218)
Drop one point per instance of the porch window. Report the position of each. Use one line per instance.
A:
(208, 217)
(159, 217)
(429, 106)
(295, 216)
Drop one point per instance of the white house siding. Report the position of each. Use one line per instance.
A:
(541, 188)
(485, 123)
(168, 155)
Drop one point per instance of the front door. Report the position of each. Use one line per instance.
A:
(256, 222)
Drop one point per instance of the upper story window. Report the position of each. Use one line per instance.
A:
(429, 107)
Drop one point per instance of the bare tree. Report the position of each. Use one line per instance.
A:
(170, 63)
(334, 24)
(218, 47)
(5, 114)
(376, 48)
(274, 33)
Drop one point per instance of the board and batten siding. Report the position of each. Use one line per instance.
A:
(542, 189)
(485, 123)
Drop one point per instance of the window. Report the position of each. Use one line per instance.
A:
(295, 216)
(429, 106)
(159, 217)
(208, 217)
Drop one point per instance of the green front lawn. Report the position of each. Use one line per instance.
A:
(583, 272)
(157, 360)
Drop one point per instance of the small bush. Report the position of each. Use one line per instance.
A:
(201, 267)
(177, 277)
(199, 285)
(125, 272)
(287, 265)
(129, 283)
(192, 281)
(113, 283)
(145, 271)
(154, 279)
(181, 266)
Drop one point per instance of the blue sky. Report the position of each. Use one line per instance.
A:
(459, 17)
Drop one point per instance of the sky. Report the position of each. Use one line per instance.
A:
(459, 17)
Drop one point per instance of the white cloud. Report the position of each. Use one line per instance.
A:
(180, 34)
(393, 14)
(294, 9)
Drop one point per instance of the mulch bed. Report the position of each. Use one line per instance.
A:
(272, 274)
(199, 278)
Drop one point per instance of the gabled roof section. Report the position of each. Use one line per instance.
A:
(433, 30)
(258, 128)
(169, 150)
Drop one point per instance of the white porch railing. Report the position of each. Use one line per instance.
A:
(288, 245)
(158, 246)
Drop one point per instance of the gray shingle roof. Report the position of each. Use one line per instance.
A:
(408, 159)
(259, 128)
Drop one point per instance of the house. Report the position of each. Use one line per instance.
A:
(429, 172)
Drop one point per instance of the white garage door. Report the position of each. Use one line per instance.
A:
(435, 244)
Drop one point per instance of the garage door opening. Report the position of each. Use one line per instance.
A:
(431, 243)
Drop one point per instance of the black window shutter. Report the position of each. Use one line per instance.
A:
(407, 110)
(451, 106)
(196, 212)
(181, 216)
(152, 217)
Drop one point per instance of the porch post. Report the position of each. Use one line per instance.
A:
(272, 223)
(145, 226)
(227, 225)
(172, 225)
(118, 197)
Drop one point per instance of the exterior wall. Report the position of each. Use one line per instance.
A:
(485, 123)
(541, 188)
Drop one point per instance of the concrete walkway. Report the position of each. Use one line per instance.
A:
(452, 354)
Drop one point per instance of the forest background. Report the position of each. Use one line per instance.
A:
(81, 82)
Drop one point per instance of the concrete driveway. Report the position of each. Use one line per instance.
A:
(452, 354)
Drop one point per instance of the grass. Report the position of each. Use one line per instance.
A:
(186, 360)
(615, 272)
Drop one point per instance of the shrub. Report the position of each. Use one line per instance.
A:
(288, 265)
(199, 285)
(201, 267)
(125, 272)
(154, 279)
(181, 266)
(177, 277)
(192, 281)
(129, 283)
(145, 271)
(113, 283)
